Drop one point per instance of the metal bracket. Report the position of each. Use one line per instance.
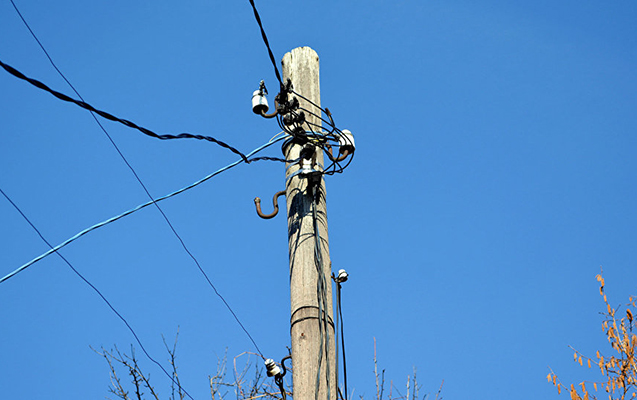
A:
(275, 203)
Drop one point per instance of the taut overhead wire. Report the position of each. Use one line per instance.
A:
(130, 328)
(133, 210)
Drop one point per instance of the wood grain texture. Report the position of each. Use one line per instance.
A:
(301, 65)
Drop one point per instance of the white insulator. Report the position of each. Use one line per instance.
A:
(306, 166)
(271, 368)
(346, 141)
(259, 102)
(342, 275)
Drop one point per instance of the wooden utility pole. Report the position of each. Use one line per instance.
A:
(312, 330)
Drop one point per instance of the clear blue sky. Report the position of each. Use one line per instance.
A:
(495, 173)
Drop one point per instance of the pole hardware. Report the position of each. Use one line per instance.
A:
(343, 153)
(310, 167)
(275, 203)
(307, 170)
(299, 114)
(341, 277)
(346, 141)
(346, 144)
(294, 118)
(273, 370)
(283, 363)
(281, 104)
(259, 101)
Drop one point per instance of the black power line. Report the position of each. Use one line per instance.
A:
(267, 44)
(339, 316)
(111, 117)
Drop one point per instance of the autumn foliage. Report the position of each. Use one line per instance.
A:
(619, 370)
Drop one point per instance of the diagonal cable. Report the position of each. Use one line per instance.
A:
(172, 228)
(130, 328)
(267, 43)
(139, 207)
(144, 205)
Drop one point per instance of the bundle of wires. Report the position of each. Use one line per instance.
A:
(321, 294)
(292, 120)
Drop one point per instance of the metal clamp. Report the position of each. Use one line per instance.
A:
(305, 173)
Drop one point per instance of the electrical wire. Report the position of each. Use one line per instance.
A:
(267, 44)
(321, 298)
(336, 334)
(318, 136)
(274, 159)
(172, 228)
(315, 115)
(278, 134)
(320, 140)
(130, 328)
(97, 121)
(306, 99)
(113, 118)
(340, 169)
(339, 311)
(133, 210)
(335, 167)
(43, 49)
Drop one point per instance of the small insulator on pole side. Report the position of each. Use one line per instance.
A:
(342, 276)
(346, 141)
(259, 101)
(271, 368)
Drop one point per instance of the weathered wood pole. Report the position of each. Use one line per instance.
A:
(312, 343)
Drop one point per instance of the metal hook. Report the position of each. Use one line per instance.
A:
(257, 202)
(279, 378)
(273, 114)
(288, 357)
(281, 103)
(341, 157)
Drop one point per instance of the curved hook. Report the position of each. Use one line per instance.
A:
(283, 364)
(344, 152)
(279, 378)
(273, 114)
(341, 157)
(257, 203)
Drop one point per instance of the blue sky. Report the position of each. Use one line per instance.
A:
(494, 176)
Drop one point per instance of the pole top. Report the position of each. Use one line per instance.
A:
(300, 52)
